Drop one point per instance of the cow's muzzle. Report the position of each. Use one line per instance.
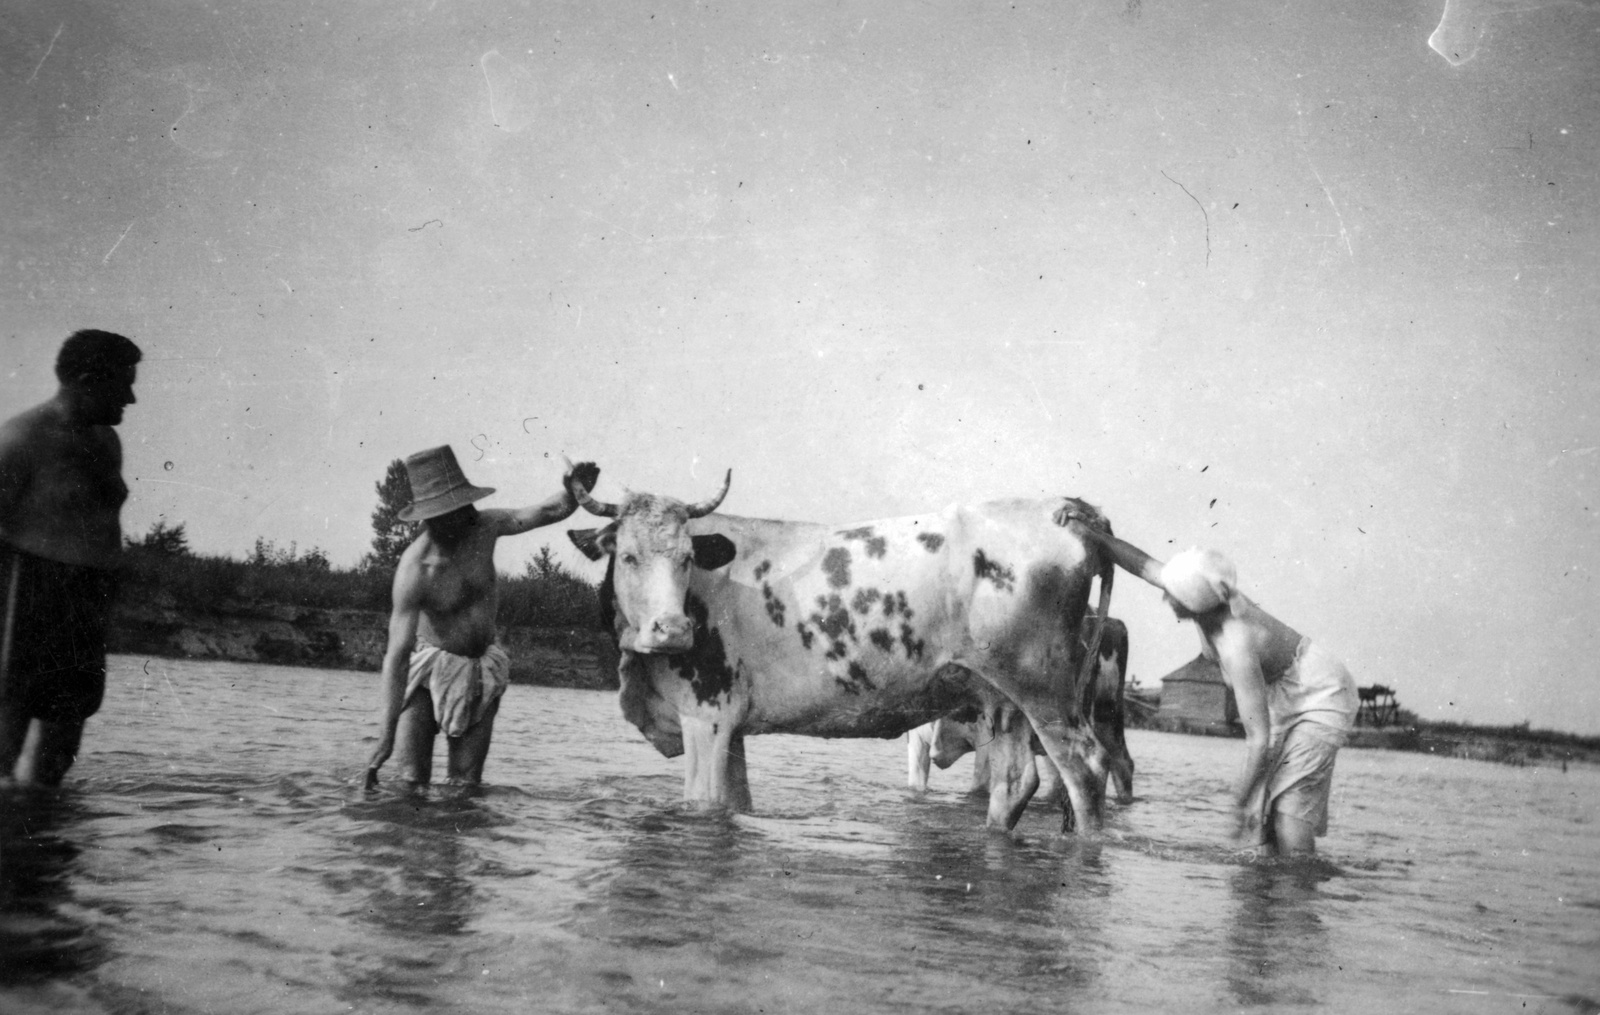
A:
(665, 634)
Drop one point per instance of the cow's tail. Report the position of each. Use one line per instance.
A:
(1094, 753)
(1089, 672)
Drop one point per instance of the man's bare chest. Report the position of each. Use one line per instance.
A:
(82, 471)
(457, 581)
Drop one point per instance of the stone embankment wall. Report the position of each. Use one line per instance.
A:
(341, 639)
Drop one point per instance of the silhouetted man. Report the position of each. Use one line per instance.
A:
(61, 495)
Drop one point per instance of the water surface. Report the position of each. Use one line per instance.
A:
(213, 852)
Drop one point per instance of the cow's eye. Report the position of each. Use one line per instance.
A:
(630, 560)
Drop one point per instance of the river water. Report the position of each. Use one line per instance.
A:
(213, 852)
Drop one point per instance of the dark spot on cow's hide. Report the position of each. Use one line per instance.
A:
(913, 645)
(834, 621)
(864, 600)
(931, 541)
(1003, 577)
(895, 602)
(876, 545)
(805, 635)
(705, 666)
(858, 682)
(773, 603)
(881, 638)
(762, 569)
(836, 562)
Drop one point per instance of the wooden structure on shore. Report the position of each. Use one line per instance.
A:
(1378, 707)
(1196, 693)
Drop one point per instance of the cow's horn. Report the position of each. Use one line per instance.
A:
(594, 507)
(705, 507)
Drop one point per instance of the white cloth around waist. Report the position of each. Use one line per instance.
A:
(463, 687)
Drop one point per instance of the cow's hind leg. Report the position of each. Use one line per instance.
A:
(1051, 789)
(1082, 763)
(1012, 777)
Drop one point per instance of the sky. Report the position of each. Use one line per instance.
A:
(1315, 285)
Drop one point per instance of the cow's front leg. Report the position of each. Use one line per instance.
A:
(714, 771)
(1012, 778)
(980, 766)
(738, 786)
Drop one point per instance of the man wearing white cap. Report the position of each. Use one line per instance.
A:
(1296, 701)
(442, 669)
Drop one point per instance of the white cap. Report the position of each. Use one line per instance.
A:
(1200, 580)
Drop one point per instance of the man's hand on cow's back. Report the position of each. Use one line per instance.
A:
(1075, 510)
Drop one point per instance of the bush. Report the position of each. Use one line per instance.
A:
(547, 595)
(544, 596)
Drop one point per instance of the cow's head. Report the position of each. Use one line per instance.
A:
(651, 554)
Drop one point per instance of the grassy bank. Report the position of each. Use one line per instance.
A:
(1509, 745)
(288, 608)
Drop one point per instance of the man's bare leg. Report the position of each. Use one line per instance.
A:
(1293, 837)
(413, 739)
(48, 753)
(13, 736)
(469, 751)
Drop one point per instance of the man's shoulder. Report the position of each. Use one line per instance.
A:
(39, 422)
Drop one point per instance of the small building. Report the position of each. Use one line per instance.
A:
(1196, 693)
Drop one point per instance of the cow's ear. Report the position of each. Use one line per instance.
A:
(594, 543)
(713, 551)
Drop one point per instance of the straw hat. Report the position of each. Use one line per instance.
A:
(438, 485)
(1200, 580)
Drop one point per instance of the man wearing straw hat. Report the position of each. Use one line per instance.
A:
(1296, 701)
(442, 670)
(61, 494)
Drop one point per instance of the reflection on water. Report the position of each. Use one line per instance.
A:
(38, 939)
(1276, 942)
(210, 854)
(415, 857)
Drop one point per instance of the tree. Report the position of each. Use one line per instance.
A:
(391, 536)
(266, 554)
(160, 539)
(544, 566)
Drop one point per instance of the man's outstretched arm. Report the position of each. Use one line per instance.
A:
(559, 506)
(1126, 556)
(403, 620)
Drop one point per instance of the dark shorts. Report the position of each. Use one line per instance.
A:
(56, 614)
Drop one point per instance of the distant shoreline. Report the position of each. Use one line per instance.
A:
(1513, 745)
(280, 635)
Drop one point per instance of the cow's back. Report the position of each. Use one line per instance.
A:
(872, 628)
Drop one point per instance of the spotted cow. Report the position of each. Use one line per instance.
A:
(730, 626)
(990, 725)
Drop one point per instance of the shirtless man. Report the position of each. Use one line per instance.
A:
(61, 495)
(442, 670)
(1296, 701)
